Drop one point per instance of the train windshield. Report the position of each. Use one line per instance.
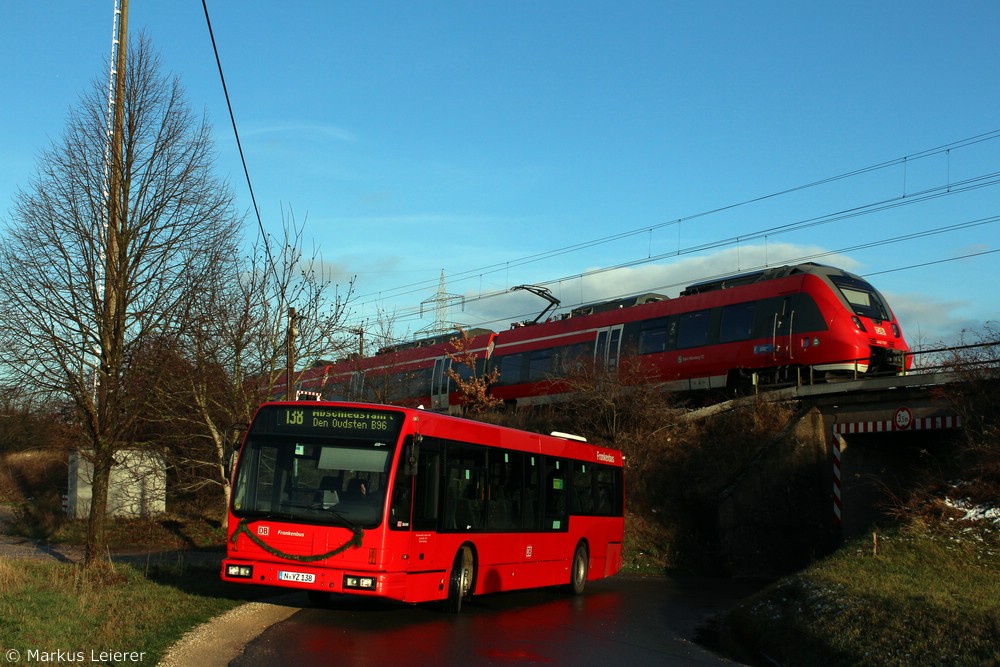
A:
(862, 297)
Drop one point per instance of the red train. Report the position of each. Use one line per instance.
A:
(806, 322)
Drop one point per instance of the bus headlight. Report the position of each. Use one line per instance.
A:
(239, 571)
(361, 583)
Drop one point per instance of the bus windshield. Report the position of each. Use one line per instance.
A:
(296, 471)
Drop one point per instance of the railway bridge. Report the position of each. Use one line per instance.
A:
(853, 446)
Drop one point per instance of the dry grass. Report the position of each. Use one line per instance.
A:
(49, 606)
(32, 474)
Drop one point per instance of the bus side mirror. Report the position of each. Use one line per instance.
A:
(412, 454)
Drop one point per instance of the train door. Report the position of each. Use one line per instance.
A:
(440, 384)
(782, 330)
(356, 388)
(608, 347)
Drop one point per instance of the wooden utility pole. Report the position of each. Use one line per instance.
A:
(113, 312)
(112, 325)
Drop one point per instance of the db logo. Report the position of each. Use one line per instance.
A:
(263, 530)
(902, 419)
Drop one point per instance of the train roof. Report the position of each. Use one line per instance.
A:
(440, 339)
(615, 304)
(752, 277)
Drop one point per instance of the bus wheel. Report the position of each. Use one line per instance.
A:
(578, 571)
(460, 581)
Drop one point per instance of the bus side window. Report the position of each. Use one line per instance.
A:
(608, 491)
(466, 487)
(581, 494)
(505, 490)
(532, 497)
(427, 486)
(556, 476)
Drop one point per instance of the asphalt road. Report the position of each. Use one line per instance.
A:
(619, 621)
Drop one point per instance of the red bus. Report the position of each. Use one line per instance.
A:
(415, 506)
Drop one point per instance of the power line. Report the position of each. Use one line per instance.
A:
(804, 258)
(410, 314)
(948, 188)
(236, 132)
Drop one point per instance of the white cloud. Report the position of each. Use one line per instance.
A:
(303, 130)
(667, 278)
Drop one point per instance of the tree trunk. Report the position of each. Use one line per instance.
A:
(96, 537)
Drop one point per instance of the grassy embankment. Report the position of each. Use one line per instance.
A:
(910, 596)
(48, 607)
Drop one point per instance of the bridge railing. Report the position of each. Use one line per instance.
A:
(969, 358)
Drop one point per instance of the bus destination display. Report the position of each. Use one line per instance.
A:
(317, 420)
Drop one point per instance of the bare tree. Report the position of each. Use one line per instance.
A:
(468, 372)
(82, 292)
(235, 352)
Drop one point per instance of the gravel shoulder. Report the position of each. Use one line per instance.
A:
(219, 641)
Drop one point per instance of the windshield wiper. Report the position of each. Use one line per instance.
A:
(340, 515)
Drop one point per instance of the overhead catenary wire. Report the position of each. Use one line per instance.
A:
(501, 323)
(945, 149)
(411, 314)
(421, 287)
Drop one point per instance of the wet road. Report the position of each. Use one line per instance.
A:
(618, 621)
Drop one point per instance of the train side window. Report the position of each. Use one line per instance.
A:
(653, 336)
(807, 314)
(539, 365)
(463, 371)
(510, 369)
(572, 358)
(693, 329)
(768, 310)
(737, 322)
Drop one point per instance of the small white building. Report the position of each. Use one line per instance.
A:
(137, 488)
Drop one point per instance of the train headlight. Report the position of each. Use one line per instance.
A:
(895, 330)
(858, 324)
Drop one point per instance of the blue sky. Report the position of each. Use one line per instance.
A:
(497, 140)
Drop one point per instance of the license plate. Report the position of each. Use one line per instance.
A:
(300, 577)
